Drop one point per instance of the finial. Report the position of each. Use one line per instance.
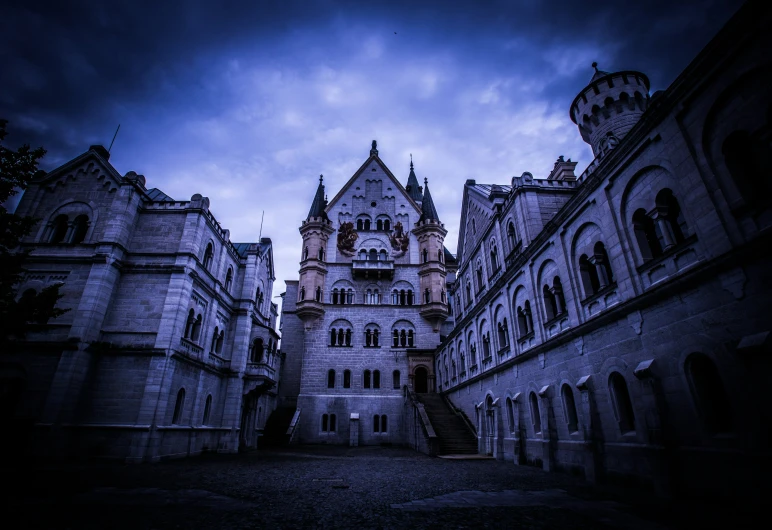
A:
(426, 181)
(321, 178)
(595, 65)
(411, 160)
(374, 150)
(375, 144)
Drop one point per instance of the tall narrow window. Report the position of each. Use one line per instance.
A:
(379, 224)
(325, 422)
(486, 340)
(395, 339)
(569, 409)
(623, 406)
(208, 256)
(305, 253)
(709, 393)
(196, 332)
(367, 224)
(189, 324)
(510, 415)
(395, 379)
(333, 425)
(302, 293)
(511, 236)
(646, 235)
(376, 423)
(535, 415)
(384, 423)
(331, 379)
(59, 229)
(360, 224)
(603, 265)
(219, 342)
(207, 410)
(366, 379)
(522, 323)
(377, 379)
(589, 276)
(668, 207)
(425, 255)
(318, 294)
(386, 225)
(321, 254)
(427, 296)
(229, 280)
(178, 407)
(79, 229)
(347, 379)
(550, 306)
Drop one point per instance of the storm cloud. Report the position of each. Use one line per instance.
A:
(248, 102)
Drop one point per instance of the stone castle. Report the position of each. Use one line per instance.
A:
(613, 324)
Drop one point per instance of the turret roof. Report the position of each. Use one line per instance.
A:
(428, 211)
(319, 203)
(413, 189)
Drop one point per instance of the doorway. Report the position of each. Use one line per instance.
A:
(421, 380)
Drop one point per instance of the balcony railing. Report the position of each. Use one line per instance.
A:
(373, 268)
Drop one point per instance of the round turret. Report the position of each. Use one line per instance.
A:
(607, 108)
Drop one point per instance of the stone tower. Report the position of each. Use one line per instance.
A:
(430, 233)
(607, 108)
(315, 230)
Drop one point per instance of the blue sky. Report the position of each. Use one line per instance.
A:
(248, 102)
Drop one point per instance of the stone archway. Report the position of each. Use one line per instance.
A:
(421, 380)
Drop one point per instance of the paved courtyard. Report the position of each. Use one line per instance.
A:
(332, 487)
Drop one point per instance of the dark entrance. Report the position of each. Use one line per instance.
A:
(421, 380)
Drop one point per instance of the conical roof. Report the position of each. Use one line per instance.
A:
(412, 188)
(598, 73)
(319, 204)
(428, 211)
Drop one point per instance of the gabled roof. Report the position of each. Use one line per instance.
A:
(373, 157)
(482, 193)
(96, 152)
(156, 195)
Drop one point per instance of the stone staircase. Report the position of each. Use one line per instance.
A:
(454, 435)
(275, 432)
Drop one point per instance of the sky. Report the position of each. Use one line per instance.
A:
(247, 103)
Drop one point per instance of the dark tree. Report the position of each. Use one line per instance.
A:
(17, 314)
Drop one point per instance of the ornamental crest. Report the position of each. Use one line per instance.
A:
(347, 236)
(400, 239)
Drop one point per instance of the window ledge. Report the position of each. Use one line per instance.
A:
(667, 254)
(555, 319)
(610, 287)
(504, 350)
(525, 337)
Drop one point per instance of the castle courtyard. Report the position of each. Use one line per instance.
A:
(335, 487)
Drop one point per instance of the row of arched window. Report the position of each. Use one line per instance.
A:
(207, 263)
(660, 229)
(372, 255)
(64, 231)
(380, 423)
(425, 256)
(370, 379)
(705, 385)
(179, 407)
(193, 326)
(328, 423)
(380, 224)
(258, 351)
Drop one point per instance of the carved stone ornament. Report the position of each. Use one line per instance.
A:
(347, 236)
(400, 240)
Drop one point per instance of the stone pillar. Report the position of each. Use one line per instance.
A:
(518, 449)
(353, 425)
(664, 228)
(591, 459)
(544, 411)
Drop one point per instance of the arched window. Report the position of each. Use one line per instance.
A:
(384, 423)
(395, 380)
(474, 227)
(367, 224)
(479, 277)
(560, 300)
(321, 254)
(79, 229)
(208, 256)
(59, 229)
(510, 415)
(550, 305)
(409, 297)
(258, 350)
(220, 342)
(410, 338)
(178, 407)
(440, 257)
(468, 292)
(366, 379)
(189, 324)
(333, 425)
(511, 237)
(495, 258)
(305, 253)
(427, 296)
(502, 332)
(376, 423)
(215, 336)
(318, 294)
(528, 315)
(462, 361)
(589, 276)
(229, 279)
(376, 379)
(334, 296)
(486, 342)
(360, 224)
(425, 255)
(195, 333)
(379, 224)
(373, 255)
(346, 378)
(386, 224)
(395, 338)
(623, 407)
(382, 255)
(535, 415)
(442, 296)
(708, 393)
(325, 422)
(569, 408)
(473, 353)
(646, 235)
(522, 322)
(302, 293)
(207, 410)
(670, 211)
(331, 379)
(348, 337)
(362, 254)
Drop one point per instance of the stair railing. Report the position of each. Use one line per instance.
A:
(431, 443)
(460, 413)
(292, 429)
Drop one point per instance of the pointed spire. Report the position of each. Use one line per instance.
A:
(428, 211)
(320, 203)
(412, 188)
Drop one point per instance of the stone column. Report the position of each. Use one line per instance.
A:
(544, 411)
(591, 458)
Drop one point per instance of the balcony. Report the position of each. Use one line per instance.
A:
(260, 376)
(373, 269)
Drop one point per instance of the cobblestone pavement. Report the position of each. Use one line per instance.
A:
(332, 487)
